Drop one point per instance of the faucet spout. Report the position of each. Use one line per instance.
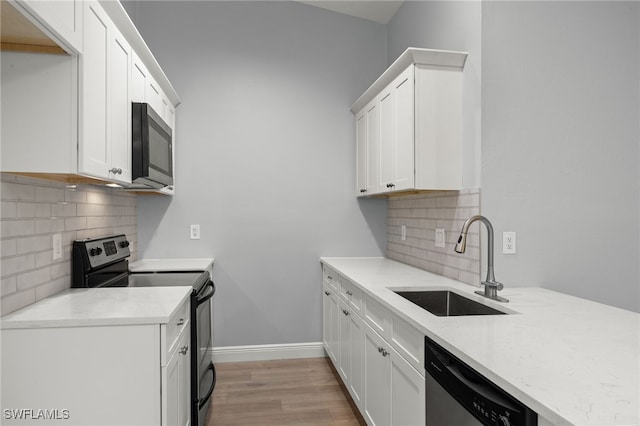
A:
(491, 286)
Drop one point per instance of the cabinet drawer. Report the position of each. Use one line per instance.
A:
(172, 330)
(376, 316)
(408, 341)
(352, 294)
(330, 277)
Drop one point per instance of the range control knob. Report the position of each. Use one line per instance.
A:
(503, 421)
(124, 243)
(95, 251)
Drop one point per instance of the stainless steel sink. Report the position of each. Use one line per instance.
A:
(444, 303)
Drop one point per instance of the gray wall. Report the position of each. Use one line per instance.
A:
(560, 83)
(265, 155)
(560, 132)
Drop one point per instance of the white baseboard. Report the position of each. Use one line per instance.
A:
(267, 352)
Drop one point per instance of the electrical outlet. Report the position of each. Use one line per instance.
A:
(509, 242)
(403, 232)
(57, 246)
(195, 232)
(440, 237)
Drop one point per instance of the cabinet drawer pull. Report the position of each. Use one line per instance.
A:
(329, 277)
(383, 351)
(349, 293)
(116, 171)
(362, 191)
(391, 185)
(183, 350)
(347, 313)
(180, 321)
(327, 293)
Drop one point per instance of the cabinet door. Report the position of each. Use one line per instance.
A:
(330, 324)
(63, 18)
(396, 102)
(361, 153)
(94, 150)
(377, 364)
(356, 382)
(386, 101)
(408, 403)
(404, 167)
(367, 149)
(153, 95)
(176, 385)
(119, 107)
(344, 355)
(139, 78)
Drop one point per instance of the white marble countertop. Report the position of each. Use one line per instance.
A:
(571, 360)
(100, 306)
(164, 265)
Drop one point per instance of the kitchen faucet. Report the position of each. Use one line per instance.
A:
(491, 286)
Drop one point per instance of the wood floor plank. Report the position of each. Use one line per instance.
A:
(301, 392)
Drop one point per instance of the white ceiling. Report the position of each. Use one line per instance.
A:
(380, 11)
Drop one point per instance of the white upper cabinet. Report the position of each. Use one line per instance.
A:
(105, 142)
(95, 155)
(63, 20)
(367, 149)
(413, 142)
(81, 102)
(119, 101)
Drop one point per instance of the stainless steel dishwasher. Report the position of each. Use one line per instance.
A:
(457, 395)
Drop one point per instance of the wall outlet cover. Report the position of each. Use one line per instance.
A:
(194, 232)
(440, 237)
(509, 242)
(57, 246)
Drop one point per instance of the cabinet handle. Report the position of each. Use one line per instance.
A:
(391, 185)
(180, 321)
(329, 277)
(183, 350)
(349, 293)
(327, 293)
(383, 351)
(362, 191)
(347, 313)
(116, 171)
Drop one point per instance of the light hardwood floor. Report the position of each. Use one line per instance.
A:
(283, 392)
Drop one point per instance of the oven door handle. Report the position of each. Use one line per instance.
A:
(115, 279)
(202, 401)
(208, 294)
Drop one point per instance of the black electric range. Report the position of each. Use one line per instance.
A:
(103, 262)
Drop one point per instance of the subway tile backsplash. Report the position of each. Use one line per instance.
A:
(32, 211)
(422, 214)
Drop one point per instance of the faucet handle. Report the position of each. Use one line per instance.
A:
(493, 284)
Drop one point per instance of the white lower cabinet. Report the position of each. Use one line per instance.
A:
(387, 388)
(350, 365)
(330, 319)
(100, 375)
(176, 378)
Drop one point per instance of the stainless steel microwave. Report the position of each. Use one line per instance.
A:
(152, 148)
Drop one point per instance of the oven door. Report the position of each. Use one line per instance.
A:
(203, 379)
